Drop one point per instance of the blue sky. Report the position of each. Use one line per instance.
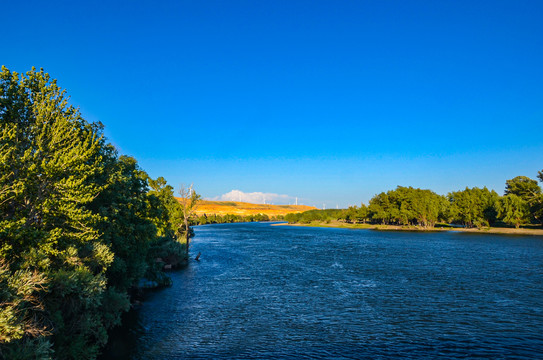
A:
(327, 101)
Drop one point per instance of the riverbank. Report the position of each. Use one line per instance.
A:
(485, 230)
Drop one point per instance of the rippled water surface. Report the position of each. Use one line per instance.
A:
(263, 291)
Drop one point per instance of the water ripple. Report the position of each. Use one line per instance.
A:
(262, 292)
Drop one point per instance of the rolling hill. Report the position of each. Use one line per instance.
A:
(242, 208)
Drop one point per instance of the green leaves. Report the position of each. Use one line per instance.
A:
(74, 217)
(523, 187)
(406, 206)
(50, 174)
(21, 304)
(530, 192)
(513, 210)
(473, 207)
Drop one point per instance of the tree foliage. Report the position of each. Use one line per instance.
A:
(473, 207)
(523, 187)
(307, 217)
(513, 210)
(354, 214)
(77, 223)
(529, 191)
(232, 218)
(406, 206)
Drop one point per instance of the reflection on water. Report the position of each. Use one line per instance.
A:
(264, 291)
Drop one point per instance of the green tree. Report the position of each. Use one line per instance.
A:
(22, 315)
(537, 210)
(292, 218)
(406, 206)
(379, 208)
(127, 221)
(513, 210)
(523, 187)
(473, 207)
(51, 172)
(362, 213)
(350, 214)
(166, 208)
(529, 191)
(76, 223)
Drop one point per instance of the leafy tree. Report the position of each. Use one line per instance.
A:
(473, 207)
(426, 207)
(523, 187)
(405, 206)
(127, 226)
(444, 209)
(166, 208)
(537, 210)
(292, 218)
(513, 210)
(76, 223)
(349, 215)
(51, 172)
(529, 191)
(22, 314)
(362, 213)
(379, 208)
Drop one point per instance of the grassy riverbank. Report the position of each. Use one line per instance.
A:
(484, 230)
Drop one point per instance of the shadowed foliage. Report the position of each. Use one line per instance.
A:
(77, 223)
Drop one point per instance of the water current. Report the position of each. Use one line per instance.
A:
(279, 292)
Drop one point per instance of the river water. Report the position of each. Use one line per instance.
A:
(268, 292)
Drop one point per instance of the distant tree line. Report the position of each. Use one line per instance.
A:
(309, 216)
(233, 218)
(522, 203)
(79, 225)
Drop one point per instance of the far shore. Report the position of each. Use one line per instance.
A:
(484, 230)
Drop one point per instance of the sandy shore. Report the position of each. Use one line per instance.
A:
(486, 230)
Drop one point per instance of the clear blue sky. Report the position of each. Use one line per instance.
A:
(329, 101)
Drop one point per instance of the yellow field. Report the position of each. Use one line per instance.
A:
(241, 208)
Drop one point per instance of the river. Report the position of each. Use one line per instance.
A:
(267, 292)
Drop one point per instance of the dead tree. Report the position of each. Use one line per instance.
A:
(188, 203)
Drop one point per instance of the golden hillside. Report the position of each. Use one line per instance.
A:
(242, 208)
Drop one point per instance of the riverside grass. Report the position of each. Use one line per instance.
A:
(438, 228)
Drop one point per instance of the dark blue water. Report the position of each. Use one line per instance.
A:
(264, 291)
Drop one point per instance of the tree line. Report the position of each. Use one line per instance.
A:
(206, 219)
(80, 225)
(522, 203)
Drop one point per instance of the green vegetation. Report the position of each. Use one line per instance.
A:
(513, 210)
(232, 218)
(228, 203)
(313, 215)
(80, 225)
(475, 207)
(472, 207)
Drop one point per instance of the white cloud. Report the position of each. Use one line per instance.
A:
(254, 197)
